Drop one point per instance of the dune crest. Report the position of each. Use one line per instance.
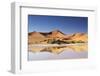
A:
(56, 37)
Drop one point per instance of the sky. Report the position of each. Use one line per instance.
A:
(66, 24)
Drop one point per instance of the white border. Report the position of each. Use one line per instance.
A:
(19, 38)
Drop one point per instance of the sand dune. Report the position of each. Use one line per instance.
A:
(79, 36)
(53, 36)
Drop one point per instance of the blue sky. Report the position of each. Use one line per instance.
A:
(66, 24)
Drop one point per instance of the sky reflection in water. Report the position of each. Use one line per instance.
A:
(58, 52)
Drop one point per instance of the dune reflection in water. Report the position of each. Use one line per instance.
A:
(57, 52)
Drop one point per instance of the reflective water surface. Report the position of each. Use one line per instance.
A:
(57, 52)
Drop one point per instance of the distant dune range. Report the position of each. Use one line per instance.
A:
(56, 37)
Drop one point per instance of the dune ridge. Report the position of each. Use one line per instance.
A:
(56, 37)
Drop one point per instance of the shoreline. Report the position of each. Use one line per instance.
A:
(40, 45)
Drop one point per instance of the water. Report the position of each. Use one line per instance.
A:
(57, 52)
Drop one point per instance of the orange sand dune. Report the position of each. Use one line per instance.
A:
(44, 37)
